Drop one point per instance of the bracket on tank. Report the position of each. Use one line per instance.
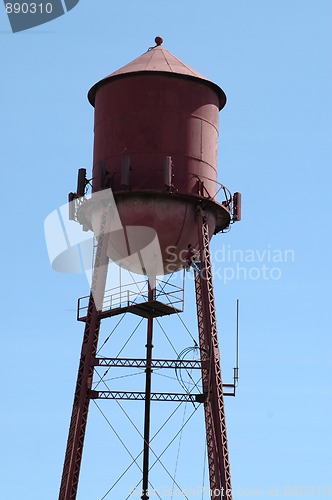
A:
(75, 200)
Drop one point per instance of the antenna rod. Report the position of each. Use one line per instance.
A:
(236, 369)
(237, 332)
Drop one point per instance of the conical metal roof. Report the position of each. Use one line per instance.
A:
(157, 60)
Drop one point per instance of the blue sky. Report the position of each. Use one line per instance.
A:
(273, 60)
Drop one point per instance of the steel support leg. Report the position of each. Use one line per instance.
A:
(212, 451)
(148, 373)
(217, 445)
(74, 450)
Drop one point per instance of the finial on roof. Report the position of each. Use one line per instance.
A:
(158, 40)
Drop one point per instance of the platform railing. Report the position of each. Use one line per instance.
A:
(129, 294)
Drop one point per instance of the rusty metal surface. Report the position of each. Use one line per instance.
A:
(159, 220)
(154, 108)
(150, 117)
(174, 223)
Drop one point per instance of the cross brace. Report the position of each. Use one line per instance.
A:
(156, 363)
(155, 396)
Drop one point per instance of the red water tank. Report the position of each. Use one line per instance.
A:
(155, 146)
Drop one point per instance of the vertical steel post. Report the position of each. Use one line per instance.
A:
(147, 407)
(214, 406)
(76, 435)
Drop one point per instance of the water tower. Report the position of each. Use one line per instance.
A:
(153, 211)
